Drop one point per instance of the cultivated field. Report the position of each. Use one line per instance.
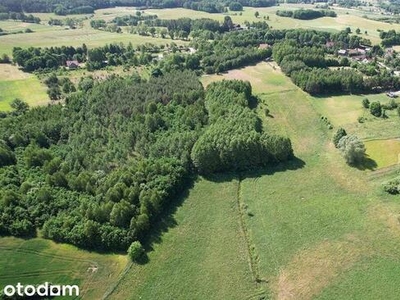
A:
(36, 261)
(16, 84)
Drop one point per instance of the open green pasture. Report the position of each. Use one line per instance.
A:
(345, 111)
(16, 84)
(36, 261)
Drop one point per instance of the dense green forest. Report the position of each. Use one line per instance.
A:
(97, 171)
(303, 56)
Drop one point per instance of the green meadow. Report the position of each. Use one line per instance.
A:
(16, 84)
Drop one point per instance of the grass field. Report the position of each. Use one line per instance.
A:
(60, 37)
(37, 261)
(202, 253)
(310, 229)
(384, 152)
(17, 84)
(315, 221)
(378, 281)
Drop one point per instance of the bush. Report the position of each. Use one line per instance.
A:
(135, 251)
(392, 187)
(376, 109)
(338, 135)
(365, 103)
(352, 148)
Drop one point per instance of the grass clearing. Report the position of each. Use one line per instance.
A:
(344, 111)
(36, 261)
(16, 84)
(384, 152)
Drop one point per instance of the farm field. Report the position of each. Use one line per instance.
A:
(16, 84)
(60, 37)
(36, 261)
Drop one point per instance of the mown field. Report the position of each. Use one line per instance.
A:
(36, 261)
(16, 84)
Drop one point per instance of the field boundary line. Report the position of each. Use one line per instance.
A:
(251, 254)
(113, 287)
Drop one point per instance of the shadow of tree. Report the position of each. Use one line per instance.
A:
(293, 164)
(166, 220)
(366, 164)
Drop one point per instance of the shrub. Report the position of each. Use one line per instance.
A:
(365, 103)
(338, 135)
(392, 187)
(135, 251)
(352, 148)
(376, 109)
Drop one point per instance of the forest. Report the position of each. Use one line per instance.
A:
(98, 171)
(303, 57)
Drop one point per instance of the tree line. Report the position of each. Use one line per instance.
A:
(234, 141)
(305, 14)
